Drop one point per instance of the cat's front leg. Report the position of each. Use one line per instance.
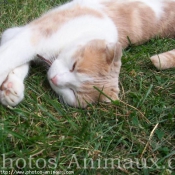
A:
(12, 82)
(7, 35)
(16, 49)
(12, 89)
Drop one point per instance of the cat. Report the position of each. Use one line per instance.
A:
(82, 41)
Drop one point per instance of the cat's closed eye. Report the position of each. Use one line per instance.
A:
(73, 67)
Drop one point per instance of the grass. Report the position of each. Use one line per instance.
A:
(138, 132)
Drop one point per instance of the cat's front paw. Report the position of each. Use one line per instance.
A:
(12, 90)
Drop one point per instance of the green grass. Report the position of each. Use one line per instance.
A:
(139, 127)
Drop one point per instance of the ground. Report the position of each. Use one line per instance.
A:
(133, 136)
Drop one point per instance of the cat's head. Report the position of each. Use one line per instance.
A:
(77, 70)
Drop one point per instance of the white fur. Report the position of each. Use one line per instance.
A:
(15, 52)
(10, 34)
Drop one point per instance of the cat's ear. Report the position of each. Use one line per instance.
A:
(113, 52)
(109, 52)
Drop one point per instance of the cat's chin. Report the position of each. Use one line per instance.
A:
(67, 95)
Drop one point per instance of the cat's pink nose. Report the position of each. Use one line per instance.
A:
(54, 80)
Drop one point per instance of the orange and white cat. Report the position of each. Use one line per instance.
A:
(83, 41)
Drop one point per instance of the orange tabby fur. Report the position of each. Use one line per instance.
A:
(139, 22)
(48, 24)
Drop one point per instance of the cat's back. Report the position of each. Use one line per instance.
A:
(76, 22)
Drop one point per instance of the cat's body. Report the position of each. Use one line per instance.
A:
(84, 40)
